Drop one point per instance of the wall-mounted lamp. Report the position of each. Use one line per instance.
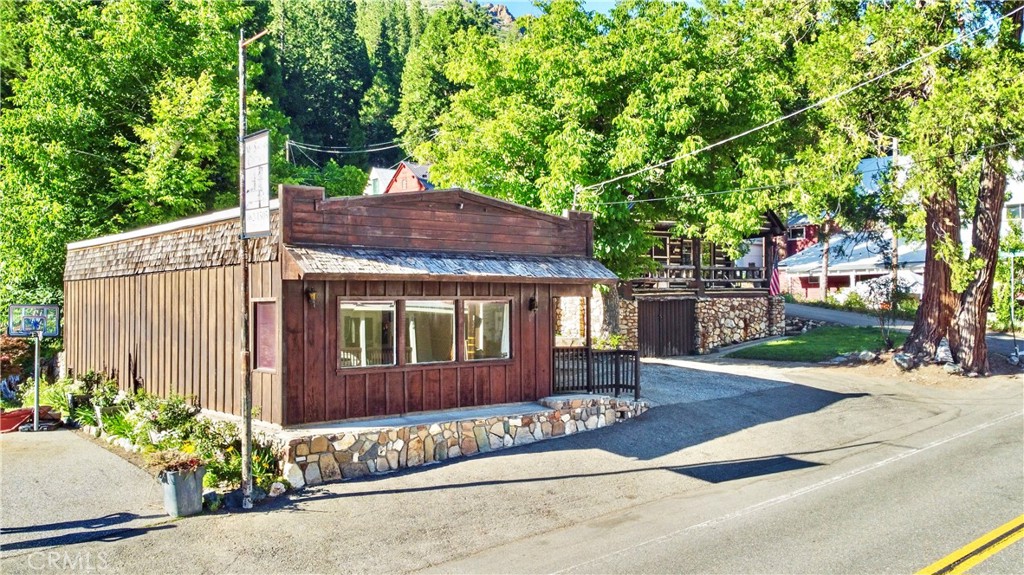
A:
(312, 295)
(532, 305)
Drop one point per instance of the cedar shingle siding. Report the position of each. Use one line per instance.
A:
(207, 246)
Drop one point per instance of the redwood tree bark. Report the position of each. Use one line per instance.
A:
(938, 302)
(969, 323)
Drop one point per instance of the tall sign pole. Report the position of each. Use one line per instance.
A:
(254, 220)
(243, 260)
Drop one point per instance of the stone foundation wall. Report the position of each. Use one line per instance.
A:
(725, 321)
(611, 315)
(570, 318)
(629, 322)
(315, 459)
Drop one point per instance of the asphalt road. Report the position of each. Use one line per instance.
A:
(892, 507)
(739, 468)
(998, 343)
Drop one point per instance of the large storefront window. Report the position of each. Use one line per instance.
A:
(429, 331)
(366, 334)
(487, 329)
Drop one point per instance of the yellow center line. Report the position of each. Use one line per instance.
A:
(976, 551)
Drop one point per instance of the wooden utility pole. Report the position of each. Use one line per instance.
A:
(243, 261)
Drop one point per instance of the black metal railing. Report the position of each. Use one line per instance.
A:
(586, 370)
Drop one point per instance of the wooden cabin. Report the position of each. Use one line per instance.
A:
(359, 306)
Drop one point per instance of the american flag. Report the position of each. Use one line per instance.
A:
(773, 283)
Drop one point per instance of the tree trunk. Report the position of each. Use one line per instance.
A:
(938, 302)
(823, 275)
(970, 324)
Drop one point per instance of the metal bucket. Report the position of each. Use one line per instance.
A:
(183, 492)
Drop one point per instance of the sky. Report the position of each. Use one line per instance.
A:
(523, 7)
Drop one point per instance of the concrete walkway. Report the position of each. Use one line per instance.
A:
(59, 488)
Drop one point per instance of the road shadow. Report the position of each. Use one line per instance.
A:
(669, 428)
(660, 431)
(711, 472)
(92, 524)
(101, 536)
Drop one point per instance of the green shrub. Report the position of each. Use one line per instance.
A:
(855, 303)
(264, 464)
(85, 415)
(611, 341)
(175, 413)
(116, 424)
(54, 394)
(104, 394)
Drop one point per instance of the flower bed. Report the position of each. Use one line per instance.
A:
(142, 423)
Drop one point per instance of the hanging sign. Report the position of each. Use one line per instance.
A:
(256, 222)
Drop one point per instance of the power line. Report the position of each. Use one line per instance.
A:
(321, 148)
(795, 182)
(818, 104)
(303, 152)
(341, 152)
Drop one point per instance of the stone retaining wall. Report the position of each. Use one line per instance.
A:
(725, 321)
(315, 459)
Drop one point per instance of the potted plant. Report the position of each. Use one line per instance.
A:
(182, 477)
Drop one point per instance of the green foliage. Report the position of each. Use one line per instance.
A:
(385, 28)
(122, 117)
(580, 98)
(611, 341)
(335, 179)
(116, 424)
(325, 70)
(85, 415)
(819, 344)
(1001, 295)
(426, 89)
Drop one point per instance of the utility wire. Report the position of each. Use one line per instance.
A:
(321, 148)
(818, 104)
(303, 152)
(342, 152)
(795, 182)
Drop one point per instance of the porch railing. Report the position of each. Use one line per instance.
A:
(586, 370)
(716, 276)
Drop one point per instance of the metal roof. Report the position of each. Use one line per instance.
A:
(331, 262)
(854, 253)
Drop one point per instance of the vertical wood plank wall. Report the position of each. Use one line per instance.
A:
(180, 330)
(316, 390)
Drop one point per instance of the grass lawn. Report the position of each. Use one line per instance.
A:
(820, 344)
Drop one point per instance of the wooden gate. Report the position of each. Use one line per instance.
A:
(666, 327)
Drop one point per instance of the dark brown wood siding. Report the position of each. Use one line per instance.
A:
(444, 220)
(316, 390)
(178, 330)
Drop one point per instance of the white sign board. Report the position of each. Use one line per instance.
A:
(257, 186)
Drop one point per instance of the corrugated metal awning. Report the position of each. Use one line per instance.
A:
(329, 262)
